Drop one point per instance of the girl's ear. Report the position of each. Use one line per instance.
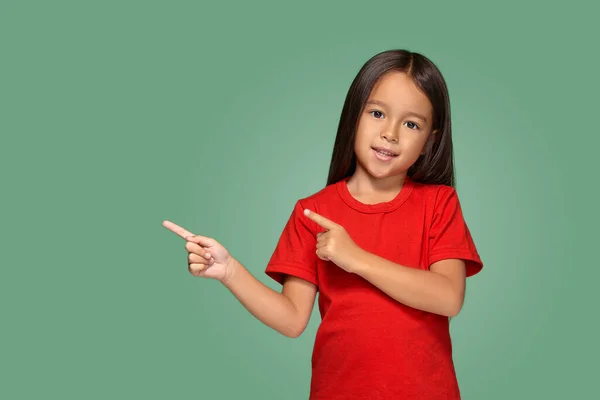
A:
(430, 141)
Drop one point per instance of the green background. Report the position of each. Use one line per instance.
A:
(116, 115)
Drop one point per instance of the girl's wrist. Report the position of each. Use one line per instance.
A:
(231, 266)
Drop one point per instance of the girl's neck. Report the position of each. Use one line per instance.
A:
(369, 189)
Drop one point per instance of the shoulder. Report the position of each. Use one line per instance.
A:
(437, 201)
(320, 197)
(321, 202)
(435, 193)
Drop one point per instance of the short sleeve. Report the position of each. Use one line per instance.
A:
(449, 235)
(295, 253)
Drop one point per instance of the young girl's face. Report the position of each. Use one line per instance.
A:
(393, 128)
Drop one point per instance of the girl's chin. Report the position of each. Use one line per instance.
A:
(382, 173)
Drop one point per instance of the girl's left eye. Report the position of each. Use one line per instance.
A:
(376, 114)
(414, 126)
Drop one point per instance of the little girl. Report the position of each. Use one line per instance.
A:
(384, 243)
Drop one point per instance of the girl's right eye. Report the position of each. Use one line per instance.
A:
(377, 114)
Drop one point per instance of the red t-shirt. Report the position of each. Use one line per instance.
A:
(368, 345)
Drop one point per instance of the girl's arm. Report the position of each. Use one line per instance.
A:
(287, 312)
(440, 290)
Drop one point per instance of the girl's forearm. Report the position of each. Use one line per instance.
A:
(272, 308)
(420, 289)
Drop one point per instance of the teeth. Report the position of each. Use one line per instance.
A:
(385, 153)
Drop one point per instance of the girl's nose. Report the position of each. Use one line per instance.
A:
(389, 136)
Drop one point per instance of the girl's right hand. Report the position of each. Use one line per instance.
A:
(206, 257)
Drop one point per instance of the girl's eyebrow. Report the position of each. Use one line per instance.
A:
(382, 104)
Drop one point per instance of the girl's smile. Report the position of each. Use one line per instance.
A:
(381, 153)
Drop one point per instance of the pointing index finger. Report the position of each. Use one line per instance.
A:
(184, 233)
(320, 220)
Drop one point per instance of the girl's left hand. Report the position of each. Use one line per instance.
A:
(335, 244)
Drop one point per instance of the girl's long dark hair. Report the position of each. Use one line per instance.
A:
(436, 166)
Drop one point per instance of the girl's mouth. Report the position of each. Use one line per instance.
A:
(383, 155)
